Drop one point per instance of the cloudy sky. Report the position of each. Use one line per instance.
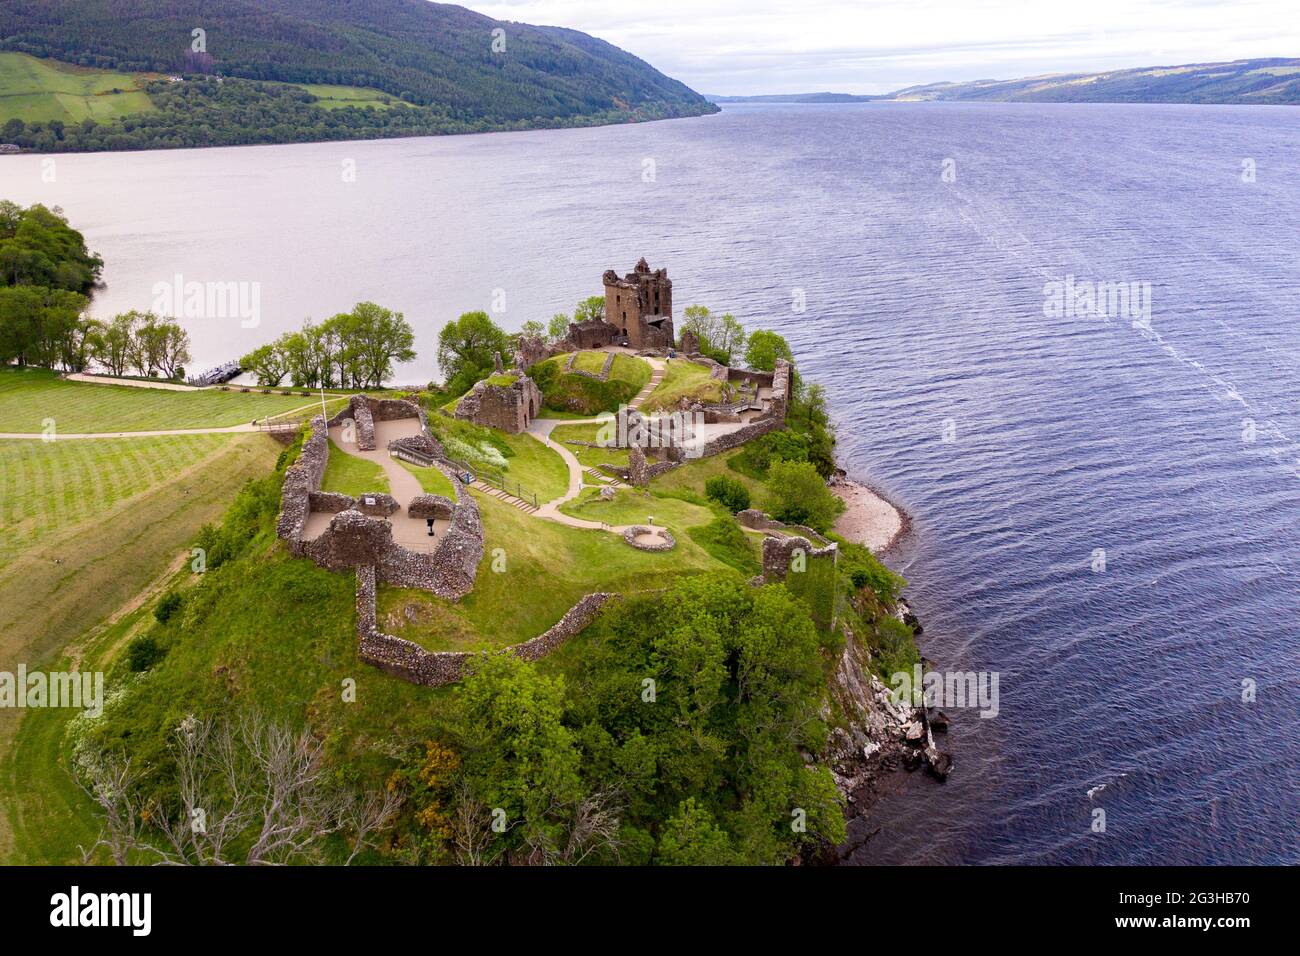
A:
(876, 46)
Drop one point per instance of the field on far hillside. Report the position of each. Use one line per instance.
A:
(29, 396)
(35, 90)
(336, 97)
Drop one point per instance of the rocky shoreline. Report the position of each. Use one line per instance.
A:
(881, 737)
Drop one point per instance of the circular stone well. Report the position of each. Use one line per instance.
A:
(645, 538)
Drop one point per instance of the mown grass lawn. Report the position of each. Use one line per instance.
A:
(684, 379)
(38, 90)
(690, 478)
(28, 397)
(588, 456)
(85, 526)
(47, 488)
(539, 469)
(433, 481)
(633, 506)
(349, 475)
(547, 567)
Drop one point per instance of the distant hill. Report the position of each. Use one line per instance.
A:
(437, 58)
(1264, 81)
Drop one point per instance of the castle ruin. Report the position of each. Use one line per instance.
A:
(640, 306)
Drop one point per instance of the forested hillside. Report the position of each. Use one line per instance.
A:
(456, 70)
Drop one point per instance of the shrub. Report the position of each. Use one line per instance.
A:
(761, 452)
(727, 491)
(800, 496)
(167, 606)
(143, 653)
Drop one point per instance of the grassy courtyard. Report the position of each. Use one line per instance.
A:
(349, 475)
(633, 506)
(590, 457)
(433, 481)
(29, 396)
(547, 568)
(684, 380)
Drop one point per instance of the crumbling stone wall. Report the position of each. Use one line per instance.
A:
(354, 539)
(592, 334)
(664, 538)
(690, 342)
(780, 391)
(507, 407)
(358, 409)
(301, 479)
(530, 350)
(409, 661)
(779, 551)
(761, 521)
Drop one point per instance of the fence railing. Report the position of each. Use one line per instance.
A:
(414, 457)
(496, 479)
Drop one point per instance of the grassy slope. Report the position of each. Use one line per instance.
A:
(337, 97)
(536, 467)
(35, 90)
(350, 475)
(632, 506)
(587, 455)
(690, 478)
(684, 379)
(29, 396)
(432, 480)
(110, 547)
(548, 566)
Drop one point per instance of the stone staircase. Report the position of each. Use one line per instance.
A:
(525, 506)
(603, 479)
(656, 377)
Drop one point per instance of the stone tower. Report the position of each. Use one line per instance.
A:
(640, 306)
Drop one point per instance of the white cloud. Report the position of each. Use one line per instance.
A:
(874, 46)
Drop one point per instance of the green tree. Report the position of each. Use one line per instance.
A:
(799, 495)
(691, 838)
(469, 344)
(558, 327)
(590, 309)
(764, 348)
(267, 363)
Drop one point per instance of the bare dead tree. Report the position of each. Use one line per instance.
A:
(254, 785)
(472, 832)
(590, 824)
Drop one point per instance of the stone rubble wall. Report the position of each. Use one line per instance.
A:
(409, 661)
(354, 539)
(778, 551)
(761, 521)
(666, 540)
(358, 409)
(301, 479)
(507, 407)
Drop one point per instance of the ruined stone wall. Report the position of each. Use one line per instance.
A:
(354, 539)
(592, 334)
(507, 407)
(409, 661)
(780, 391)
(779, 551)
(358, 409)
(741, 435)
(301, 479)
(760, 521)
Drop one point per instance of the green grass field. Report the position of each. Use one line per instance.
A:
(85, 527)
(632, 506)
(690, 478)
(30, 396)
(48, 487)
(337, 97)
(548, 566)
(684, 380)
(349, 475)
(626, 368)
(37, 90)
(591, 457)
(539, 469)
(433, 481)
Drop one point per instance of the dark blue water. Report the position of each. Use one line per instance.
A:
(924, 308)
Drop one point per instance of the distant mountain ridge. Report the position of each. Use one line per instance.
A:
(432, 55)
(1274, 81)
